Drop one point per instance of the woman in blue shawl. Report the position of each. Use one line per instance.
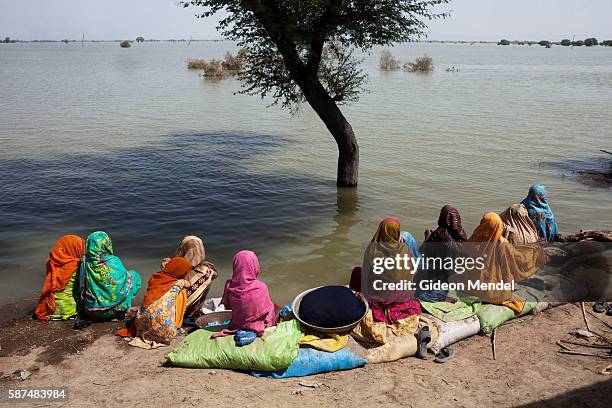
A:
(540, 213)
(106, 286)
(409, 240)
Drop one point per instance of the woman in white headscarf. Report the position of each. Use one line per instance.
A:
(200, 277)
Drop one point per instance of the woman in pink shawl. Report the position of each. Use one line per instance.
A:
(248, 298)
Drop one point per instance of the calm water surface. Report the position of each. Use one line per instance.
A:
(131, 142)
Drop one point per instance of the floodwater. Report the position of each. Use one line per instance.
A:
(131, 142)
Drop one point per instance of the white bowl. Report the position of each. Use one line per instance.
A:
(296, 311)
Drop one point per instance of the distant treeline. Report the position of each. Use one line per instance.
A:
(589, 42)
(8, 40)
(566, 42)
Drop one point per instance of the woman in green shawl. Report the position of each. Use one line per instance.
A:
(106, 286)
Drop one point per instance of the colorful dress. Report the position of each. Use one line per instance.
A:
(106, 286)
(160, 321)
(65, 305)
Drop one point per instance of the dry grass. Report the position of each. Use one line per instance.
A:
(388, 62)
(234, 64)
(421, 64)
(213, 69)
(217, 69)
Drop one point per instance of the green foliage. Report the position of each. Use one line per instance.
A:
(294, 46)
(578, 43)
(607, 43)
(125, 44)
(566, 42)
(139, 39)
(545, 43)
(589, 42)
(504, 42)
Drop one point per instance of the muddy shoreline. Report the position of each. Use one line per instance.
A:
(100, 369)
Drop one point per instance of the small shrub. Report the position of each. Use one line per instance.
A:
(566, 42)
(421, 64)
(578, 43)
(125, 44)
(197, 64)
(388, 62)
(213, 69)
(589, 42)
(504, 42)
(234, 64)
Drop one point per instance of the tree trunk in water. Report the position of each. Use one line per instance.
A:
(348, 162)
(341, 130)
(305, 75)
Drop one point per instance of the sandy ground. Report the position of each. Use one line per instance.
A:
(100, 369)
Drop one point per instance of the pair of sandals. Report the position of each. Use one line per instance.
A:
(601, 306)
(423, 339)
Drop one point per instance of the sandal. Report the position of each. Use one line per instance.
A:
(424, 337)
(81, 324)
(600, 307)
(444, 355)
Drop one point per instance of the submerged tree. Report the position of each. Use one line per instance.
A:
(302, 51)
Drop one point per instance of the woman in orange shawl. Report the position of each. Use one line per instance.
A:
(62, 264)
(164, 303)
(503, 262)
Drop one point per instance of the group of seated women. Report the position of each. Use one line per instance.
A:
(85, 278)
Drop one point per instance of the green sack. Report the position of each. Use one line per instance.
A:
(465, 306)
(274, 351)
(493, 316)
(65, 305)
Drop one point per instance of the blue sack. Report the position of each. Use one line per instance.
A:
(244, 337)
(311, 361)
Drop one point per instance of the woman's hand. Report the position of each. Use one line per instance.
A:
(164, 262)
(184, 283)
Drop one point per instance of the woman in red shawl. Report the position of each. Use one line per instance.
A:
(164, 304)
(247, 297)
(62, 264)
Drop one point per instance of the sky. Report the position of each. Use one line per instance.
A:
(477, 20)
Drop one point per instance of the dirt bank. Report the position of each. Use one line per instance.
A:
(102, 370)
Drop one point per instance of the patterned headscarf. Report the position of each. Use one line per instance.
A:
(449, 227)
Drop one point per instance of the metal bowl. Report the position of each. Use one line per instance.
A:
(296, 311)
(204, 320)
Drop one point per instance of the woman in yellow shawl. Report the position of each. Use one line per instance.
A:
(503, 262)
(387, 306)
